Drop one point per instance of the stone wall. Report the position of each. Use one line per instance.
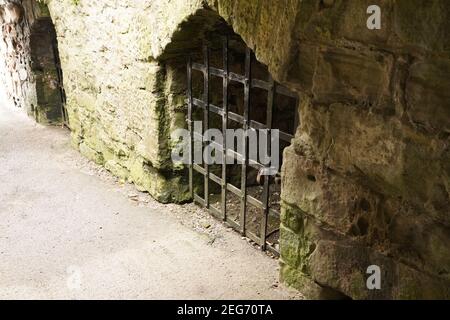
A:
(29, 51)
(366, 180)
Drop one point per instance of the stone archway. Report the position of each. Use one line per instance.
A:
(46, 67)
(245, 96)
(33, 74)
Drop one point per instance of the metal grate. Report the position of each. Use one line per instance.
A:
(272, 88)
(59, 72)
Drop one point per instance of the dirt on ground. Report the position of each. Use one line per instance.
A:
(70, 230)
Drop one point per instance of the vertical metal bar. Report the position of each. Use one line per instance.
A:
(190, 128)
(297, 116)
(60, 81)
(266, 191)
(224, 127)
(247, 86)
(206, 116)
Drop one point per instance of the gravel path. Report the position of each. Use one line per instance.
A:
(69, 230)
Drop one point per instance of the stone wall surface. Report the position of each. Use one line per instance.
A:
(366, 180)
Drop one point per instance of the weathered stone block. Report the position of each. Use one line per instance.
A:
(344, 267)
(350, 76)
(308, 287)
(424, 25)
(329, 198)
(90, 153)
(342, 20)
(417, 239)
(428, 94)
(303, 67)
(291, 245)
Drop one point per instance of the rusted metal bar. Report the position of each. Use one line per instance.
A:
(266, 192)
(247, 87)
(224, 128)
(206, 78)
(190, 127)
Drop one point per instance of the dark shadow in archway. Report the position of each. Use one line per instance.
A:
(46, 66)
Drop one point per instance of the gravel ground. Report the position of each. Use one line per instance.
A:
(69, 230)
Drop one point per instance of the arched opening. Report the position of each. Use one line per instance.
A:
(46, 67)
(32, 70)
(229, 90)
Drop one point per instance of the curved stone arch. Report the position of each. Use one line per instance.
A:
(192, 31)
(268, 28)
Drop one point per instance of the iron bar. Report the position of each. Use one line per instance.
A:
(266, 192)
(206, 78)
(190, 128)
(224, 127)
(247, 85)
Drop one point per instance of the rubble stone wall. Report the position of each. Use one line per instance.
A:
(28, 67)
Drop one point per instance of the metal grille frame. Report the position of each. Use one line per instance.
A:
(59, 72)
(272, 88)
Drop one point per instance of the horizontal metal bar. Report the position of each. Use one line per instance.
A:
(235, 117)
(235, 155)
(233, 225)
(257, 125)
(286, 92)
(253, 237)
(216, 109)
(199, 200)
(212, 71)
(230, 153)
(286, 136)
(199, 169)
(260, 84)
(236, 77)
(199, 103)
(215, 212)
(255, 202)
(274, 212)
(255, 164)
(234, 190)
(215, 178)
(272, 232)
(217, 72)
(272, 249)
(198, 66)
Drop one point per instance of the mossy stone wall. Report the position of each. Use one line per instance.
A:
(366, 180)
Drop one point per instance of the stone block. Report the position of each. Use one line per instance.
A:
(424, 25)
(428, 95)
(329, 198)
(350, 76)
(339, 20)
(344, 267)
